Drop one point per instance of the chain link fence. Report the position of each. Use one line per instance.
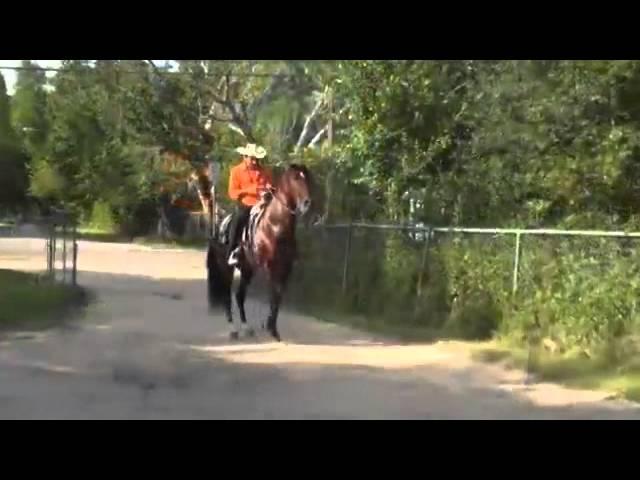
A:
(577, 288)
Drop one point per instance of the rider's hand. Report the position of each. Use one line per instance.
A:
(252, 190)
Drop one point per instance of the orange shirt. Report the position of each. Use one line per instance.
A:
(247, 182)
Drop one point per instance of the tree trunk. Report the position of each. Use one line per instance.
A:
(203, 185)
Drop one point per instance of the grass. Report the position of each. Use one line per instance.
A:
(621, 377)
(28, 301)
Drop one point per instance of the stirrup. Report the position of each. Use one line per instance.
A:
(233, 258)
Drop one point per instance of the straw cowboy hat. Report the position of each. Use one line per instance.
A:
(252, 150)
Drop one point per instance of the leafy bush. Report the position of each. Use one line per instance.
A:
(580, 293)
(101, 217)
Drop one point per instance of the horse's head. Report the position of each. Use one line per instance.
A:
(295, 185)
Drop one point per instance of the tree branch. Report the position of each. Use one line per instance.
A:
(307, 123)
(276, 84)
(155, 69)
(322, 131)
(227, 82)
(318, 136)
(235, 128)
(294, 121)
(237, 113)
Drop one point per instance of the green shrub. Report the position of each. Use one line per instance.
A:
(582, 293)
(476, 319)
(102, 217)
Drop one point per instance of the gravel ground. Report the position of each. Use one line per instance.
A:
(149, 349)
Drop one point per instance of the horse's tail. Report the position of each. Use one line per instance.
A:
(218, 277)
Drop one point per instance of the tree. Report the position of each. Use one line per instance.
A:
(29, 108)
(13, 180)
(494, 143)
(7, 135)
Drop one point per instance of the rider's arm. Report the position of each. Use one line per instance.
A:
(235, 187)
(236, 192)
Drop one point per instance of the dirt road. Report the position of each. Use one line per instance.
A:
(148, 348)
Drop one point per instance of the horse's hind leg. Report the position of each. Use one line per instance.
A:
(241, 296)
(219, 288)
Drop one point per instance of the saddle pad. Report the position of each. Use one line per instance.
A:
(249, 232)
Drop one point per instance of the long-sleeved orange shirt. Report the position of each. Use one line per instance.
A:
(245, 183)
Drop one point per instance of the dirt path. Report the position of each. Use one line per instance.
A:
(149, 349)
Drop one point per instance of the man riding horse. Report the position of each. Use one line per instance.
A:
(249, 182)
(271, 240)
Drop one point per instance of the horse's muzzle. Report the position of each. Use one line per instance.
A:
(304, 205)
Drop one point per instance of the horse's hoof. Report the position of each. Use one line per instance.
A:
(234, 336)
(274, 333)
(250, 332)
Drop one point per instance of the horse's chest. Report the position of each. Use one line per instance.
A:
(270, 249)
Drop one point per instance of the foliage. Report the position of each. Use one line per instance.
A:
(461, 142)
(29, 108)
(13, 161)
(7, 134)
(569, 290)
(14, 178)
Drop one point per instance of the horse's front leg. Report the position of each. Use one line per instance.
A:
(227, 310)
(275, 298)
(277, 282)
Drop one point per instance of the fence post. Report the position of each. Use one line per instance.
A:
(55, 248)
(74, 236)
(425, 253)
(64, 252)
(48, 251)
(516, 264)
(347, 254)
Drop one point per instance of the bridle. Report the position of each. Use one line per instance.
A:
(274, 193)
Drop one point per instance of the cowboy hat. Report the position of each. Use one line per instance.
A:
(252, 150)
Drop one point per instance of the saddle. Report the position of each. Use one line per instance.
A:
(247, 234)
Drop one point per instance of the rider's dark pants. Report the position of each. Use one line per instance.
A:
(238, 221)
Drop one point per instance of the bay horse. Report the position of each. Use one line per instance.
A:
(268, 244)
